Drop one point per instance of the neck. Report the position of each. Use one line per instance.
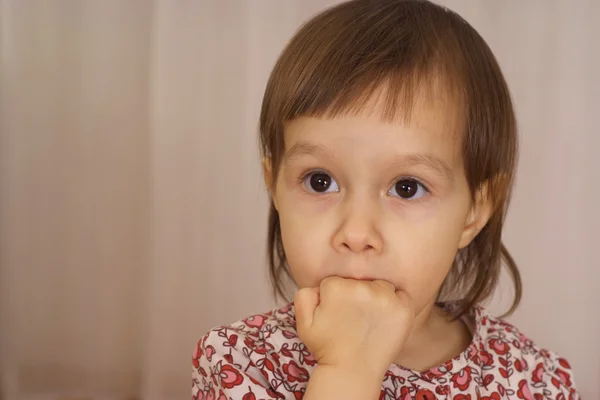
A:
(423, 323)
(434, 339)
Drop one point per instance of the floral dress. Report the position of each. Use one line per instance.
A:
(262, 357)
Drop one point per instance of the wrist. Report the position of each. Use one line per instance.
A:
(362, 370)
(351, 381)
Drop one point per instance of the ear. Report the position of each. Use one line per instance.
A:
(268, 176)
(479, 215)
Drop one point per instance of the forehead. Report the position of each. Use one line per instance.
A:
(431, 126)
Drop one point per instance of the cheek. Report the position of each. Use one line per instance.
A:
(425, 248)
(305, 241)
(424, 257)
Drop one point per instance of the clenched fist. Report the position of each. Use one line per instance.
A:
(348, 321)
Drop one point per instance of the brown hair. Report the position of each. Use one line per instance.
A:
(336, 62)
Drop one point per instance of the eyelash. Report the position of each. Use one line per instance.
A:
(306, 174)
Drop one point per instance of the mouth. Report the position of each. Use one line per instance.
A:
(359, 277)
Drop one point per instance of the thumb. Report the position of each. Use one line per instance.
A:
(306, 301)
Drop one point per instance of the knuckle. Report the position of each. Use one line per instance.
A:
(327, 283)
(362, 292)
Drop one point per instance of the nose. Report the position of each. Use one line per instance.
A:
(357, 231)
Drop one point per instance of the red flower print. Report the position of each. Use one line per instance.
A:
(197, 355)
(232, 341)
(310, 360)
(269, 365)
(441, 370)
(221, 396)
(405, 394)
(504, 373)
(275, 394)
(424, 394)
(285, 351)
(253, 380)
(472, 352)
(524, 392)
(564, 363)
(499, 346)
(298, 395)
(279, 366)
(555, 382)
(462, 379)
(230, 377)
(209, 352)
(484, 359)
(518, 365)
(210, 394)
(462, 397)
(501, 390)
(283, 310)
(564, 376)
(203, 372)
(275, 357)
(255, 321)
(489, 378)
(249, 395)
(264, 374)
(288, 334)
(295, 373)
(260, 350)
(442, 390)
(493, 396)
(537, 373)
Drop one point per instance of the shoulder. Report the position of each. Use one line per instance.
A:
(256, 333)
(518, 359)
(258, 353)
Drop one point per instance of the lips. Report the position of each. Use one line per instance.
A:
(359, 277)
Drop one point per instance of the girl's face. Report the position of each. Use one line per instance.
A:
(365, 199)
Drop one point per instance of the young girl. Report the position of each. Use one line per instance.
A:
(390, 145)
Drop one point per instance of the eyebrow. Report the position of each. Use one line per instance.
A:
(306, 149)
(430, 161)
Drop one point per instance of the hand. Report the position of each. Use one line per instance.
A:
(347, 321)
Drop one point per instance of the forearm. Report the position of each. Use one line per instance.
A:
(333, 383)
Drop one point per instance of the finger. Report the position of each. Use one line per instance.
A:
(385, 284)
(402, 295)
(306, 301)
(329, 287)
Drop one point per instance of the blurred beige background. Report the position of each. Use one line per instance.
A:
(132, 209)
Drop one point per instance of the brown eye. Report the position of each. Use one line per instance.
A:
(320, 182)
(408, 189)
